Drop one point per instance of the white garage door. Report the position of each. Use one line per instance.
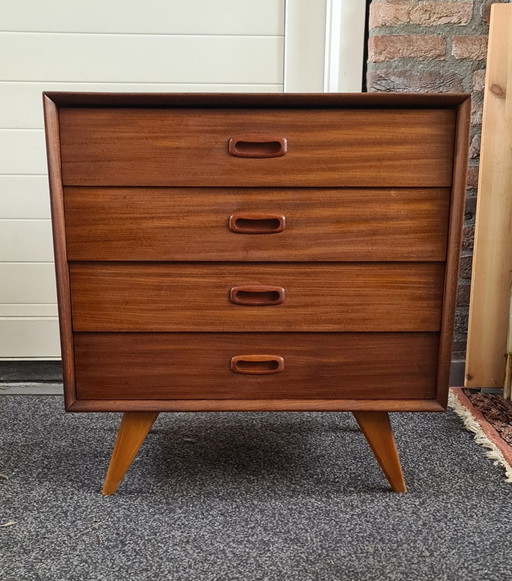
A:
(126, 45)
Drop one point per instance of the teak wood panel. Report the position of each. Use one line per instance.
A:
(457, 206)
(317, 296)
(51, 117)
(159, 147)
(126, 224)
(197, 366)
(282, 101)
(257, 405)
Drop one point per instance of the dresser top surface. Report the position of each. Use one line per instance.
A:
(261, 100)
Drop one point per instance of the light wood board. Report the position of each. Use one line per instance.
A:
(491, 283)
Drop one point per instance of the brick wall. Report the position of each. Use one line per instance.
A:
(436, 46)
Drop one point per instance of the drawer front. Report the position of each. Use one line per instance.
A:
(159, 147)
(199, 366)
(256, 297)
(211, 224)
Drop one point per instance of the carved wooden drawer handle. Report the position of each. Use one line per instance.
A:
(257, 364)
(257, 146)
(256, 295)
(252, 223)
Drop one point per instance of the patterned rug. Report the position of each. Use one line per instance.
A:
(489, 418)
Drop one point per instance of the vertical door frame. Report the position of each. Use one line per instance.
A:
(324, 46)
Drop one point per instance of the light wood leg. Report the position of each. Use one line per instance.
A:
(377, 430)
(132, 432)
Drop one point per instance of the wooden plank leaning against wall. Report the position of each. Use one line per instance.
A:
(492, 260)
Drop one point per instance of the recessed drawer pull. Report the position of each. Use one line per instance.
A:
(256, 295)
(256, 223)
(257, 364)
(257, 146)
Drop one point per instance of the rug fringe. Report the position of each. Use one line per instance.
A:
(492, 451)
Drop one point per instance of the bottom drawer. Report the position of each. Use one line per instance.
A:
(145, 366)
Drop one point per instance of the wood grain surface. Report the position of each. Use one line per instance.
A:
(284, 101)
(195, 296)
(192, 224)
(196, 366)
(256, 405)
(403, 146)
(159, 147)
(132, 432)
(377, 430)
(456, 222)
(490, 313)
(53, 151)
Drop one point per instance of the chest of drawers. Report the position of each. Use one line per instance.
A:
(256, 253)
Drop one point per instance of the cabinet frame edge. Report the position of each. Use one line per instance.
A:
(53, 152)
(456, 221)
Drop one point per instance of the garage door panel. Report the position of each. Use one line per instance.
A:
(120, 58)
(23, 283)
(116, 46)
(26, 241)
(265, 17)
(22, 151)
(35, 310)
(24, 196)
(29, 338)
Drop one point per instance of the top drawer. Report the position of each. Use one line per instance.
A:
(180, 147)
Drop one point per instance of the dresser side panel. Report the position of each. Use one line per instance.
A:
(454, 247)
(53, 148)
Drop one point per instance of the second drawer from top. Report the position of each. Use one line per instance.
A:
(266, 224)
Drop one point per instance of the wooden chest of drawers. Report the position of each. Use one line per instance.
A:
(256, 252)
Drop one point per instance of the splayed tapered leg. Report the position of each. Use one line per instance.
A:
(377, 430)
(132, 432)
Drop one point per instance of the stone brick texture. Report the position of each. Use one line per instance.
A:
(385, 48)
(469, 47)
(424, 13)
(478, 80)
(472, 177)
(436, 46)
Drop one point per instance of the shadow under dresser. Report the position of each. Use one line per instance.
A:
(243, 252)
